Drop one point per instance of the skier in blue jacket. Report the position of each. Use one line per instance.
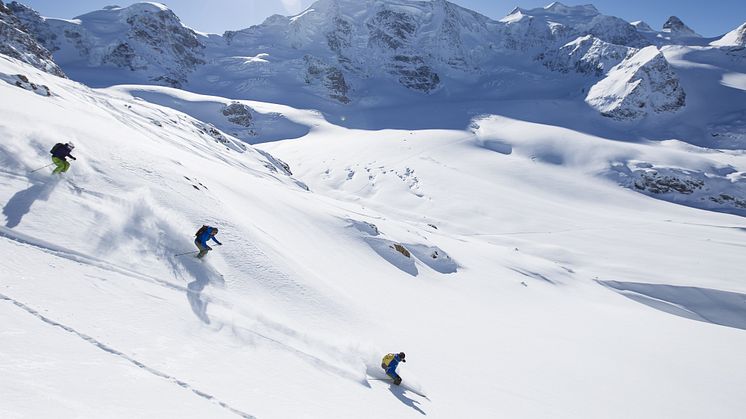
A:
(389, 364)
(204, 234)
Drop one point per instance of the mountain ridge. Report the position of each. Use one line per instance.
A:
(345, 53)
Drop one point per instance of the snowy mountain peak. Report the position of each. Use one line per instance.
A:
(642, 26)
(117, 12)
(676, 27)
(642, 84)
(560, 23)
(560, 10)
(147, 38)
(734, 38)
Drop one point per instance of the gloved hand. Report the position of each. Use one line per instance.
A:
(220, 244)
(73, 158)
(403, 360)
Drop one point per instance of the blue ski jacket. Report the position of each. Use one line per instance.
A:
(391, 370)
(207, 235)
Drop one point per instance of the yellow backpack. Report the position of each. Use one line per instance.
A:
(387, 360)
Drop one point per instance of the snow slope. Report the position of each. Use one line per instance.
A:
(523, 249)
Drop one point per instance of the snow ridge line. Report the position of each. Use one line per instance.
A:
(126, 357)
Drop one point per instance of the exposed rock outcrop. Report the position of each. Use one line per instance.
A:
(676, 27)
(713, 188)
(642, 84)
(239, 114)
(328, 76)
(16, 42)
(586, 55)
(20, 80)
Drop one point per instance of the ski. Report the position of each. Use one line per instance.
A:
(403, 386)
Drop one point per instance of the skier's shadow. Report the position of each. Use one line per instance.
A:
(20, 204)
(194, 295)
(203, 275)
(398, 391)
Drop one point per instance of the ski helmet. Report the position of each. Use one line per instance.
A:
(401, 355)
(71, 145)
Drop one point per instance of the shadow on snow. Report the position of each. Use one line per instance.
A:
(20, 204)
(399, 391)
(702, 304)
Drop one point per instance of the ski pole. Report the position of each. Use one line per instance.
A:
(42, 168)
(185, 253)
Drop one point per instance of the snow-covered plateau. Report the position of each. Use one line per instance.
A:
(544, 212)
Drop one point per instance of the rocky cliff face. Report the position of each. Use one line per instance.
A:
(16, 42)
(642, 84)
(586, 55)
(411, 44)
(675, 27)
(145, 37)
(35, 25)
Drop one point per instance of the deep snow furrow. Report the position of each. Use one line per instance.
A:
(104, 347)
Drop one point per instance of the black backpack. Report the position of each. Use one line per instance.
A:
(201, 231)
(55, 148)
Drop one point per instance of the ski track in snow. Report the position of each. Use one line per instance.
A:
(193, 291)
(106, 348)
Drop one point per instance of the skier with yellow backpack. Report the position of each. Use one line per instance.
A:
(389, 364)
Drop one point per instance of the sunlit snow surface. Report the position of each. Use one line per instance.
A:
(519, 314)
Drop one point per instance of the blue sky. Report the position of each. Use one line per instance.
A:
(710, 18)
